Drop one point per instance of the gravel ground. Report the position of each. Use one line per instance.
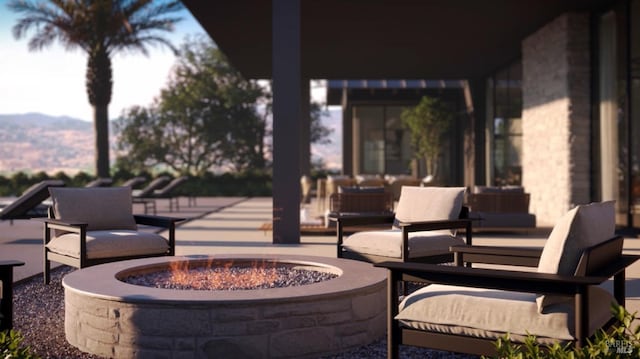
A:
(39, 316)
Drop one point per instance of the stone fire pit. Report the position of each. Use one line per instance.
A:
(108, 317)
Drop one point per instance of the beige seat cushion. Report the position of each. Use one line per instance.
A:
(101, 208)
(107, 244)
(388, 243)
(417, 204)
(487, 313)
(582, 227)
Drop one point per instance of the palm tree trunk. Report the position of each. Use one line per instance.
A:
(99, 87)
(101, 130)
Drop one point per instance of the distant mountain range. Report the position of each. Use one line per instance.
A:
(34, 142)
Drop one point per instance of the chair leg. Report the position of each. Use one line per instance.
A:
(47, 271)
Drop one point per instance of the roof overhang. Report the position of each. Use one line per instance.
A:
(368, 39)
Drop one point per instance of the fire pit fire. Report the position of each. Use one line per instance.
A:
(338, 305)
(229, 275)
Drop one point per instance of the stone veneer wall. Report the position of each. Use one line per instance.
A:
(556, 116)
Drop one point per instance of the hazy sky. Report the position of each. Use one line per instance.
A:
(51, 81)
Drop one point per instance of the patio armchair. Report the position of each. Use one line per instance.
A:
(89, 226)
(359, 202)
(369, 180)
(29, 204)
(424, 227)
(330, 185)
(466, 310)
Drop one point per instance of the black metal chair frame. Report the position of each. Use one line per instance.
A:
(343, 221)
(595, 267)
(168, 223)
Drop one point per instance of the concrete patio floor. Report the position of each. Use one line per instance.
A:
(223, 225)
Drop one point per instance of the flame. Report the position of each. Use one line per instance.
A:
(227, 275)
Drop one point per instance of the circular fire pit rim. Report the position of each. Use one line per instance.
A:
(101, 281)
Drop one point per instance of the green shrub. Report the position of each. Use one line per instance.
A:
(620, 342)
(11, 346)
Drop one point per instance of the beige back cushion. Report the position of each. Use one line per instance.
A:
(582, 227)
(101, 208)
(429, 203)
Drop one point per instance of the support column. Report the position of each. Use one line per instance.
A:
(475, 160)
(305, 128)
(347, 136)
(287, 113)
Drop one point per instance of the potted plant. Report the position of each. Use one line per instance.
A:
(427, 124)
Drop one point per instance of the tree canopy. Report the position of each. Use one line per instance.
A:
(206, 116)
(100, 28)
(427, 123)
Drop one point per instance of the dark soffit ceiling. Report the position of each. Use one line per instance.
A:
(406, 39)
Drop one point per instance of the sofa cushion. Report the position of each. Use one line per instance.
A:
(488, 313)
(101, 208)
(107, 244)
(388, 243)
(582, 227)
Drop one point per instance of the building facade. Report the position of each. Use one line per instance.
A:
(562, 119)
(550, 101)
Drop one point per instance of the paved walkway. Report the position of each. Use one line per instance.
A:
(220, 225)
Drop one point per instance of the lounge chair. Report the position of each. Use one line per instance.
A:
(90, 226)
(133, 182)
(141, 196)
(29, 204)
(467, 309)
(100, 182)
(424, 227)
(169, 192)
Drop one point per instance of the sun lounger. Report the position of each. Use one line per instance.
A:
(29, 204)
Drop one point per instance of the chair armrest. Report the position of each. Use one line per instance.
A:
(51, 223)
(408, 227)
(361, 219)
(435, 225)
(157, 221)
(516, 256)
(530, 282)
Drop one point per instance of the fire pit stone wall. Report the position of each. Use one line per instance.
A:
(114, 319)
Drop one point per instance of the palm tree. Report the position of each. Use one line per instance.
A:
(100, 28)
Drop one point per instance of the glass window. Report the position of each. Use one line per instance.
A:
(398, 152)
(370, 130)
(506, 128)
